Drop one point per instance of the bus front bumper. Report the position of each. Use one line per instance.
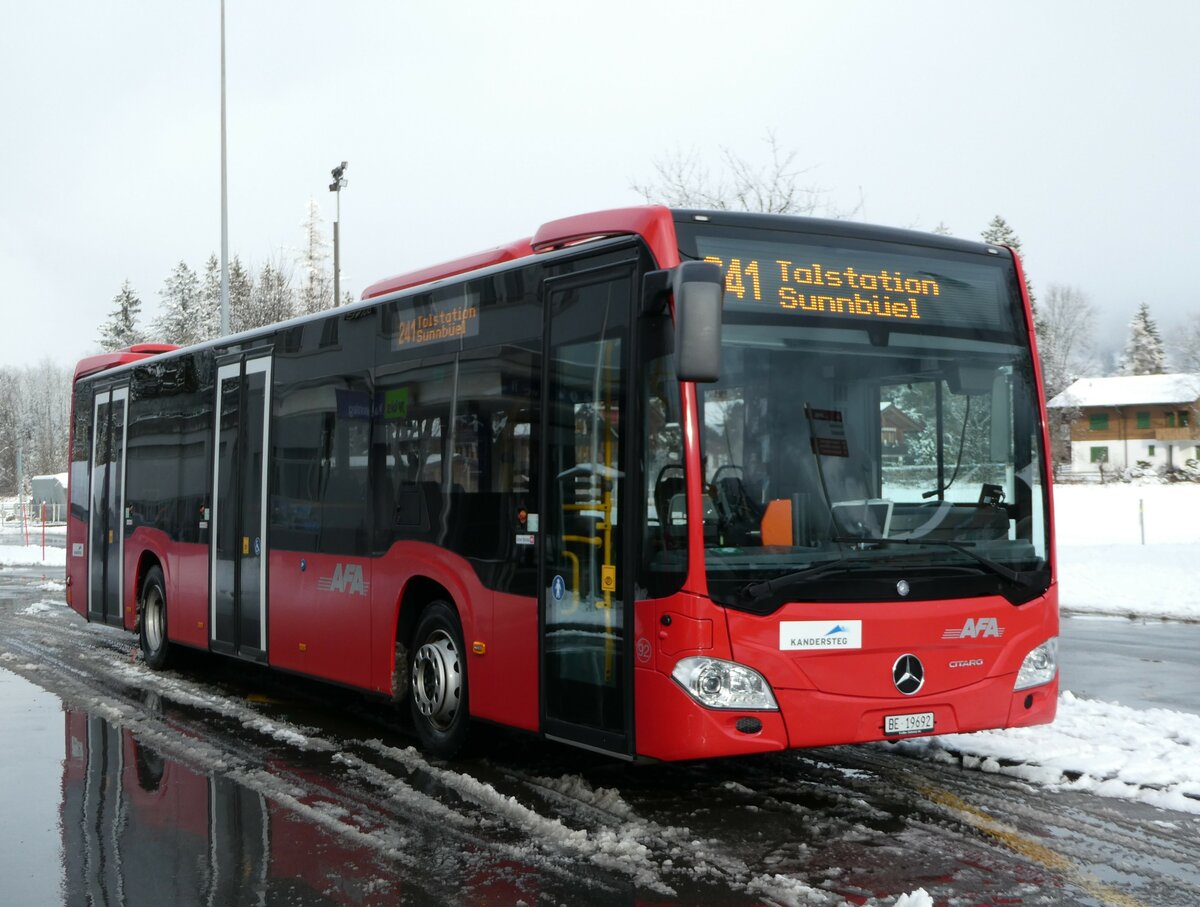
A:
(672, 726)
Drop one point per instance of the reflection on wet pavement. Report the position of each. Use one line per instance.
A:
(219, 784)
(93, 816)
(31, 755)
(144, 829)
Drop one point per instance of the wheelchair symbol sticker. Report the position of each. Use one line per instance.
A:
(558, 588)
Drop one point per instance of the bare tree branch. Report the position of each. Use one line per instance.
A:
(1065, 333)
(1185, 345)
(775, 187)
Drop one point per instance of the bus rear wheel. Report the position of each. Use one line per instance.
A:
(438, 682)
(153, 624)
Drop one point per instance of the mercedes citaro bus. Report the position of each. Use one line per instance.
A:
(664, 484)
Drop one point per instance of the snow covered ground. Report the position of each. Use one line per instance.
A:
(13, 555)
(1105, 748)
(1100, 747)
(1103, 567)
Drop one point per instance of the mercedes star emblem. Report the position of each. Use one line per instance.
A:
(908, 674)
(903, 587)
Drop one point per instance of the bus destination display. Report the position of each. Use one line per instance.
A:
(849, 283)
(431, 322)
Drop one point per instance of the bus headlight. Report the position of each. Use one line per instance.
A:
(1039, 666)
(720, 684)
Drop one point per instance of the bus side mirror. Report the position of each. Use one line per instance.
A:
(699, 291)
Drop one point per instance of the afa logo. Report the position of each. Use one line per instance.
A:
(346, 578)
(976, 627)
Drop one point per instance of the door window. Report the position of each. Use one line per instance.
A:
(584, 603)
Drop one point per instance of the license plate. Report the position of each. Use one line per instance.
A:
(916, 723)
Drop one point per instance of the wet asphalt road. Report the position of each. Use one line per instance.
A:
(218, 784)
(1142, 664)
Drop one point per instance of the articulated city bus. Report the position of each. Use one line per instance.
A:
(664, 484)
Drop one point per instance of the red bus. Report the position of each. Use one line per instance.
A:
(664, 484)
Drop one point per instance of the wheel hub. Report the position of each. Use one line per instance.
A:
(437, 680)
(152, 616)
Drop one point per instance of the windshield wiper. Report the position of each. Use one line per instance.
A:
(966, 548)
(754, 592)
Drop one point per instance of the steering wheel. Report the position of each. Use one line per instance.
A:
(938, 511)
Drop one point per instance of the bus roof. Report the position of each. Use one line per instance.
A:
(655, 224)
(652, 222)
(104, 361)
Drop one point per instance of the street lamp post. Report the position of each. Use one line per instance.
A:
(339, 183)
(224, 196)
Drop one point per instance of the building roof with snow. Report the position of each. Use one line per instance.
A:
(1129, 390)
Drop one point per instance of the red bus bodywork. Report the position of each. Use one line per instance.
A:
(823, 698)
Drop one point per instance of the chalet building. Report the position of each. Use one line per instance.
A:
(894, 427)
(1115, 423)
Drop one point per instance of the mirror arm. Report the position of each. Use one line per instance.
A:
(656, 287)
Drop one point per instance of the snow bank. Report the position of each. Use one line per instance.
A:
(918, 898)
(1103, 748)
(32, 556)
(1103, 567)
(1156, 581)
(1109, 514)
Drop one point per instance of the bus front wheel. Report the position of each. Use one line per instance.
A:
(153, 625)
(438, 681)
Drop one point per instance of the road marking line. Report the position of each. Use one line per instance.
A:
(1028, 847)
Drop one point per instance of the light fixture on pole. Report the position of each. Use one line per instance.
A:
(339, 183)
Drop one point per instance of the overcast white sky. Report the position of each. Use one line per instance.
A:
(468, 124)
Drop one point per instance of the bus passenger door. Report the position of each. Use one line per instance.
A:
(106, 532)
(585, 594)
(238, 584)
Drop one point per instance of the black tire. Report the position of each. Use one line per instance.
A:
(153, 622)
(150, 767)
(438, 682)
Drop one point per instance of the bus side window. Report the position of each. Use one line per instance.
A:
(413, 424)
(491, 498)
(320, 467)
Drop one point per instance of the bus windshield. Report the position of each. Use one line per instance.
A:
(874, 434)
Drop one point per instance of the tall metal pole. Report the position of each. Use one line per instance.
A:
(339, 183)
(337, 257)
(224, 196)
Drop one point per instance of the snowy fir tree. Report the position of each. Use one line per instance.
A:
(272, 298)
(316, 289)
(1144, 353)
(190, 310)
(241, 288)
(121, 329)
(210, 299)
(999, 233)
(182, 320)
